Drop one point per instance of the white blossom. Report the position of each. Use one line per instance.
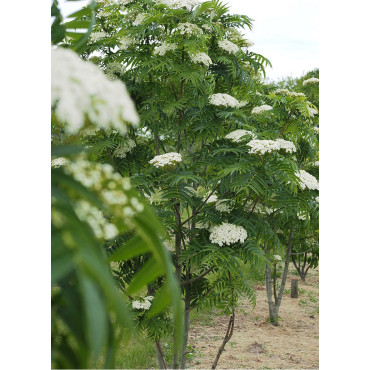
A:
(126, 42)
(80, 90)
(277, 258)
(312, 111)
(201, 58)
(261, 109)
(312, 80)
(143, 304)
(58, 162)
(122, 149)
(96, 36)
(212, 199)
(177, 4)
(303, 216)
(317, 199)
(140, 19)
(225, 100)
(223, 206)
(112, 68)
(238, 135)
(267, 146)
(189, 29)
(282, 91)
(162, 49)
(228, 46)
(227, 234)
(316, 129)
(307, 180)
(168, 160)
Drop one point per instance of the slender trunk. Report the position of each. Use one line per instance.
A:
(160, 357)
(228, 335)
(186, 328)
(275, 306)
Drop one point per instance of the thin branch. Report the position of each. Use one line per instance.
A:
(186, 282)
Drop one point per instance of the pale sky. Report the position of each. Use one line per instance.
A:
(286, 32)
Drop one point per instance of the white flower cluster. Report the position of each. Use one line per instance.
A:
(80, 89)
(289, 93)
(168, 160)
(212, 199)
(312, 80)
(317, 199)
(112, 68)
(189, 29)
(277, 258)
(267, 146)
(140, 19)
(307, 180)
(261, 109)
(110, 186)
(58, 162)
(312, 111)
(177, 4)
(89, 131)
(101, 227)
(228, 46)
(302, 216)
(96, 36)
(207, 27)
(201, 58)
(316, 129)
(227, 234)
(234, 35)
(223, 206)
(237, 135)
(122, 149)
(144, 304)
(224, 100)
(162, 49)
(126, 42)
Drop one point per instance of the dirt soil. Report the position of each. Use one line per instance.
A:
(256, 344)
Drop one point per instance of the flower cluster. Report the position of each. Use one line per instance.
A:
(189, 29)
(223, 206)
(261, 109)
(122, 149)
(316, 129)
(237, 135)
(126, 42)
(177, 4)
(112, 68)
(267, 146)
(228, 46)
(307, 180)
(212, 199)
(162, 49)
(227, 234)
(201, 58)
(312, 80)
(168, 160)
(143, 304)
(96, 36)
(303, 216)
(58, 162)
(276, 258)
(89, 131)
(312, 111)
(224, 100)
(112, 190)
(140, 19)
(79, 89)
(317, 199)
(289, 93)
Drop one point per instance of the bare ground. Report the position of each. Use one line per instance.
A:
(256, 344)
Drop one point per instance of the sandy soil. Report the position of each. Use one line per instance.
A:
(256, 344)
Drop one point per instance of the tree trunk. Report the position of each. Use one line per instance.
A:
(275, 306)
(160, 356)
(186, 328)
(228, 335)
(294, 288)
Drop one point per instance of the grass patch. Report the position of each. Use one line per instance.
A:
(136, 353)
